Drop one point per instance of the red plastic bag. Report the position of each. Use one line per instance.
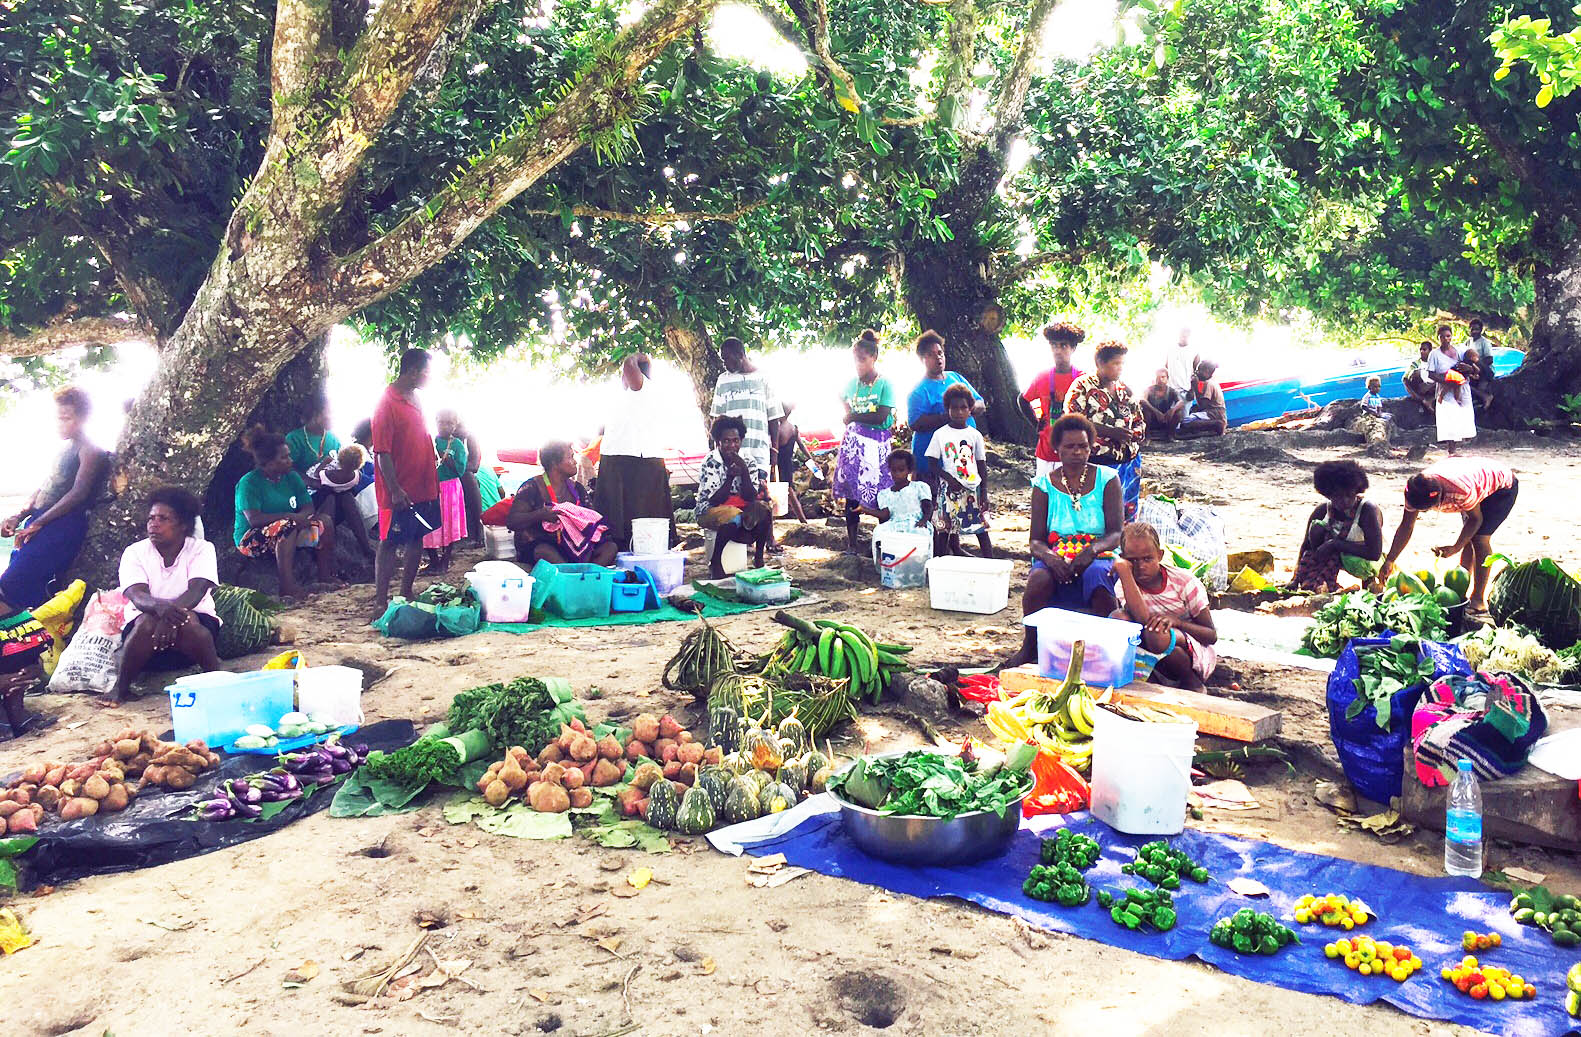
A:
(1058, 789)
(980, 687)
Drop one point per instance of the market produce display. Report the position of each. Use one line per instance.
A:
(292, 725)
(1558, 915)
(1540, 596)
(1059, 877)
(1385, 671)
(261, 795)
(1573, 993)
(1487, 981)
(1334, 910)
(1252, 932)
(1363, 614)
(104, 784)
(1164, 866)
(1475, 941)
(1059, 721)
(1515, 650)
(1140, 909)
(839, 651)
(920, 783)
(1368, 958)
(818, 703)
(704, 655)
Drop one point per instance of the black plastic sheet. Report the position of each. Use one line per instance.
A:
(153, 829)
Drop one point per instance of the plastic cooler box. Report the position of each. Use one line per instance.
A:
(1109, 655)
(763, 586)
(218, 707)
(580, 591)
(980, 585)
(504, 589)
(667, 569)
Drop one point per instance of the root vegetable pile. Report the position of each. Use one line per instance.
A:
(1333, 910)
(105, 784)
(562, 775)
(1367, 957)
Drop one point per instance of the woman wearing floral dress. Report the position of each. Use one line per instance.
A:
(1103, 399)
(861, 469)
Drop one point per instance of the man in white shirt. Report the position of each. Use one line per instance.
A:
(1181, 363)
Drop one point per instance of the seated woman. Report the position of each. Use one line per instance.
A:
(275, 514)
(732, 496)
(168, 579)
(49, 531)
(1346, 533)
(1172, 607)
(1076, 512)
(23, 641)
(551, 516)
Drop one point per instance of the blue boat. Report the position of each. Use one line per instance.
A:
(1246, 402)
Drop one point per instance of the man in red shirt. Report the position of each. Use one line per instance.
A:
(1044, 399)
(405, 478)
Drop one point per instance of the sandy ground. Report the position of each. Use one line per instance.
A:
(207, 943)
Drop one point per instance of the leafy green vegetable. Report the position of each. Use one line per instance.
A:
(526, 711)
(929, 784)
(430, 758)
(1362, 614)
(1385, 672)
(13, 847)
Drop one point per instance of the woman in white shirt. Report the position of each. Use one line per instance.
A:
(168, 579)
(632, 480)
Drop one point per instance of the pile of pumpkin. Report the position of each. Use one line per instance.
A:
(771, 772)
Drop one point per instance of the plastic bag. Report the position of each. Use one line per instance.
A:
(1058, 788)
(91, 661)
(1374, 759)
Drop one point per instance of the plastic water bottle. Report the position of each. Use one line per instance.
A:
(1463, 825)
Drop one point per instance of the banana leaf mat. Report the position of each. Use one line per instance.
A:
(1426, 914)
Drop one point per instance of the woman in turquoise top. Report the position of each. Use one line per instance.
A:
(275, 514)
(1077, 514)
(861, 469)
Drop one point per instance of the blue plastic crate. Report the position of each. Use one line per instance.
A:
(219, 707)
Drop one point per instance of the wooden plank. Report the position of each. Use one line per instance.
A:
(1531, 806)
(1224, 718)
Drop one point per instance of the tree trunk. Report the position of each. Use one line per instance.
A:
(284, 407)
(948, 290)
(1552, 368)
(693, 350)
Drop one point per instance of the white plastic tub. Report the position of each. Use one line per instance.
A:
(499, 543)
(1109, 658)
(330, 694)
(668, 568)
(902, 558)
(980, 585)
(504, 589)
(779, 496)
(775, 593)
(1141, 773)
(650, 536)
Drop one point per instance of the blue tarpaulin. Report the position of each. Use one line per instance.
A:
(1426, 914)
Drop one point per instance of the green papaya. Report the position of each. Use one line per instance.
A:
(1458, 580)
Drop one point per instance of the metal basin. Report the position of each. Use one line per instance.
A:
(913, 839)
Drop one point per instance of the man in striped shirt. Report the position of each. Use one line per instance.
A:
(743, 392)
(1478, 489)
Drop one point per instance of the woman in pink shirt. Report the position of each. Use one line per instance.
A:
(168, 579)
(1478, 489)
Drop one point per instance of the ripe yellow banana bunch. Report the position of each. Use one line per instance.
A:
(1064, 728)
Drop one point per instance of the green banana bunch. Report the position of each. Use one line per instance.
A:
(838, 651)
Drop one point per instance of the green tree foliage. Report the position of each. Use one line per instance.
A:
(1554, 57)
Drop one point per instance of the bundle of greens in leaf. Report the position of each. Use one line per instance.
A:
(526, 711)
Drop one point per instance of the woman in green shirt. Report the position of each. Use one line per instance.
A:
(313, 444)
(275, 516)
(861, 469)
(451, 450)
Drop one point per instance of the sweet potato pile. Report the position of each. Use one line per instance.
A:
(666, 750)
(104, 784)
(561, 777)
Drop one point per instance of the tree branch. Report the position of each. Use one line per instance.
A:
(64, 332)
(301, 46)
(600, 99)
(651, 219)
(812, 16)
(1009, 274)
(1010, 108)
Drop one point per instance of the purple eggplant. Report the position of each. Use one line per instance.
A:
(248, 810)
(279, 797)
(341, 766)
(215, 811)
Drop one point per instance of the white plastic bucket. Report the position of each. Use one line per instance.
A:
(734, 557)
(330, 694)
(650, 536)
(504, 589)
(1109, 655)
(1141, 773)
(779, 494)
(902, 558)
(980, 585)
(499, 543)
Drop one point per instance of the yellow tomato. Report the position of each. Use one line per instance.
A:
(1496, 992)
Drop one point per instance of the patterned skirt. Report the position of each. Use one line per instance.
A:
(862, 467)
